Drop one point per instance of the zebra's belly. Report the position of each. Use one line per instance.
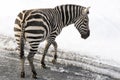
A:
(34, 39)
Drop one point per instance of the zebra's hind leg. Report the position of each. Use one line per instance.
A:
(22, 59)
(55, 55)
(44, 54)
(30, 58)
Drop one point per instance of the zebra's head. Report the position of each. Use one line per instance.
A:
(82, 23)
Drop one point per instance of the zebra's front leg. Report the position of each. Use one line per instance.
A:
(30, 59)
(44, 54)
(55, 55)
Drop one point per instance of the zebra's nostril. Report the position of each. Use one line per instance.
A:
(84, 36)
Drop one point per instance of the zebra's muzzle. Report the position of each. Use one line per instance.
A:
(85, 36)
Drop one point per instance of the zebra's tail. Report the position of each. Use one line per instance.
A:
(22, 41)
(20, 32)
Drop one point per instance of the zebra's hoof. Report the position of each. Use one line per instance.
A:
(22, 74)
(43, 66)
(34, 76)
(54, 61)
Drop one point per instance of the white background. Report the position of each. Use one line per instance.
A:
(104, 41)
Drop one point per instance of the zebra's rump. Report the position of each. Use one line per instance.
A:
(37, 27)
(35, 23)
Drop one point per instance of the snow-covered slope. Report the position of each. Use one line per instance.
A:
(104, 24)
(94, 64)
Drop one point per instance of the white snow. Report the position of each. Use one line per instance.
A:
(93, 64)
(104, 25)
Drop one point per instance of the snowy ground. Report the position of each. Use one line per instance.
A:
(9, 69)
(70, 66)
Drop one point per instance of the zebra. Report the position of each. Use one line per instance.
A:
(37, 25)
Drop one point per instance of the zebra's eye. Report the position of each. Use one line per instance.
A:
(87, 12)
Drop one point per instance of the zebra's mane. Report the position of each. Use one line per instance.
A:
(69, 5)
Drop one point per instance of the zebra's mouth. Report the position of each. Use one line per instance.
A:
(85, 36)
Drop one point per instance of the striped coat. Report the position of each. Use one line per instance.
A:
(36, 25)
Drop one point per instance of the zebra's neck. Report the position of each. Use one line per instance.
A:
(69, 13)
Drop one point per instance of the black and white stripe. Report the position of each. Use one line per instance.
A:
(36, 25)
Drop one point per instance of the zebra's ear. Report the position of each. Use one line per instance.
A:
(86, 11)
